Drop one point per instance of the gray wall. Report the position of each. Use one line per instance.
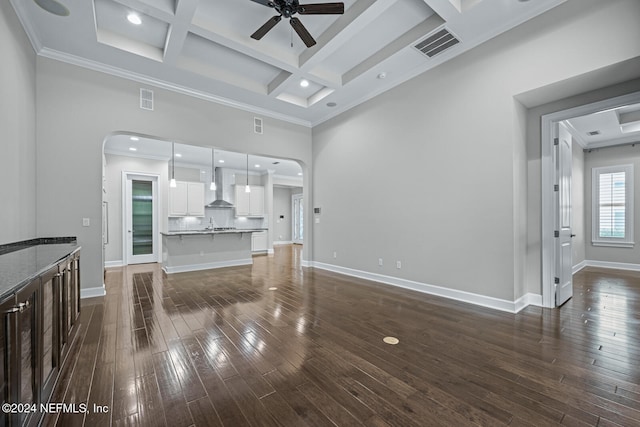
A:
(578, 207)
(623, 155)
(17, 130)
(454, 205)
(78, 108)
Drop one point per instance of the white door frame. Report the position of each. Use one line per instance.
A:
(548, 197)
(293, 218)
(155, 178)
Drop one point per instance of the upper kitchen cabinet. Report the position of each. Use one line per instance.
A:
(250, 204)
(186, 199)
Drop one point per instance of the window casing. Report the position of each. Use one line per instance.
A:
(612, 206)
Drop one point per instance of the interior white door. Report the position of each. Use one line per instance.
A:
(564, 264)
(298, 219)
(141, 219)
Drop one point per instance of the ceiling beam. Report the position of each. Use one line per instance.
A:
(354, 20)
(185, 11)
(407, 39)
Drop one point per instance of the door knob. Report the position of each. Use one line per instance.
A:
(573, 235)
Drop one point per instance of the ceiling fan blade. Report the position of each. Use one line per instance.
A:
(267, 3)
(321, 9)
(302, 32)
(266, 27)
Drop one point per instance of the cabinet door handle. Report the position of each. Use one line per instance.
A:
(23, 306)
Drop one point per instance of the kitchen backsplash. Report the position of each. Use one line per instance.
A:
(216, 218)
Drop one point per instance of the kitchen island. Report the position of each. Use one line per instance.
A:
(193, 250)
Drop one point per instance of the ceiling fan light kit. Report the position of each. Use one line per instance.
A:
(288, 8)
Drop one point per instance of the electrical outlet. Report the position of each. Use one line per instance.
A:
(380, 262)
(398, 265)
(335, 254)
(86, 222)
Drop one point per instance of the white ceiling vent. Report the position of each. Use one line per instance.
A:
(146, 99)
(437, 43)
(257, 125)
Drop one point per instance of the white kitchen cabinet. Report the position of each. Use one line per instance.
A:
(250, 204)
(186, 199)
(259, 242)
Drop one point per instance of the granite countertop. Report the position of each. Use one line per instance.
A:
(207, 232)
(22, 262)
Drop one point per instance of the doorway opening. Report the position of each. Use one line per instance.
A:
(556, 171)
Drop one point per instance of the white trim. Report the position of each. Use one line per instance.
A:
(613, 265)
(271, 251)
(306, 263)
(548, 167)
(206, 266)
(136, 77)
(468, 297)
(612, 244)
(527, 300)
(283, 242)
(99, 291)
(113, 264)
(579, 267)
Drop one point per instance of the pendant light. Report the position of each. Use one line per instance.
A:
(172, 183)
(213, 170)
(247, 189)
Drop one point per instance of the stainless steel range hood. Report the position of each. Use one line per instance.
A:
(224, 189)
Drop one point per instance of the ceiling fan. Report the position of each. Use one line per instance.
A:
(288, 8)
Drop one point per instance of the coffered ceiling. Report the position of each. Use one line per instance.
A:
(203, 47)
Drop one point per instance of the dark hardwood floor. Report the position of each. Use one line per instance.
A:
(220, 348)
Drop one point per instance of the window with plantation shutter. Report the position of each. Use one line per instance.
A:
(612, 213)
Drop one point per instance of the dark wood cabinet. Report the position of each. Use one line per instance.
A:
(37, 326)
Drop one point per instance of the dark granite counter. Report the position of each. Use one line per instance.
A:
(207, 232)
(21, 262)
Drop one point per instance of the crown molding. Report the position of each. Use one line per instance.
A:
(46, 52)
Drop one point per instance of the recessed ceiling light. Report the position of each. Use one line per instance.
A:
(134, 138)
(331, 104)
(304, 83)
(382, 75)
(178, 155)
(257, 166)
(220, 161)
(134, 18)
(133, 149)
(299, 173)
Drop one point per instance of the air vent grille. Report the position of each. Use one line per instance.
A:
(437, 43)
(146, 99)
(593, 133)
(257, 125)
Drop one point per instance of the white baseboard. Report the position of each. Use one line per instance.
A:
(614, 265)
(527, 300)
(283, 242)
(579, 266)
(477, 299)
(99, 291)
(207, 266)
(271, 251)
(112, 264)
(305, 263)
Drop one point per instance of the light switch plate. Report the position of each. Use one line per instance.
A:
(86, 222)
